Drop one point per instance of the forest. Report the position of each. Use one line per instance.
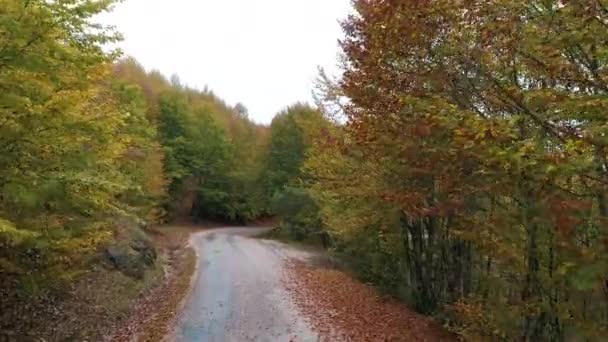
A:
(459, 161)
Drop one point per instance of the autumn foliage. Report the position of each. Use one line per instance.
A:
(94, 149)
(459, 162)
(470, 175)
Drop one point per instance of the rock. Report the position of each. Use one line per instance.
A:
(132, 254)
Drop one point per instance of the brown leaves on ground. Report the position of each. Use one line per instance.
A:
(156, 312)
(341, 308)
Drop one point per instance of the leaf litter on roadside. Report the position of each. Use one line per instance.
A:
(341, 308)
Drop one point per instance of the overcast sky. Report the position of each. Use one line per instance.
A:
(263, 53)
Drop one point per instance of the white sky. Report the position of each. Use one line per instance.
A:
(263, 53)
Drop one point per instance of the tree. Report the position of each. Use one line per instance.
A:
(288, 146)
(472, 149)
(60, 136)
(241, 110)
(292, 134)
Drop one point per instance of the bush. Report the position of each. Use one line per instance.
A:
(299, 215)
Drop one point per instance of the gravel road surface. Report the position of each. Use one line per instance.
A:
(237, 294)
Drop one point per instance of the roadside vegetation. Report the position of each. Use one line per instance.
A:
(467, 172)
(459, 163)
(94, 152)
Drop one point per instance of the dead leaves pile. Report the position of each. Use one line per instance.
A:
(342, 309)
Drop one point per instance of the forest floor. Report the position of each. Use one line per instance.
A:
(341, 308)
(105, 304)
(154, 313)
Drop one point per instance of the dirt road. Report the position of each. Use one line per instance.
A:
(237, 294)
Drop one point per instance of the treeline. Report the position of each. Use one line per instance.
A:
(93, 149)
(211, 154)
(468, 174)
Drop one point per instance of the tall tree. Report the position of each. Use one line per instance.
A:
(474, 129)
(60, 133)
